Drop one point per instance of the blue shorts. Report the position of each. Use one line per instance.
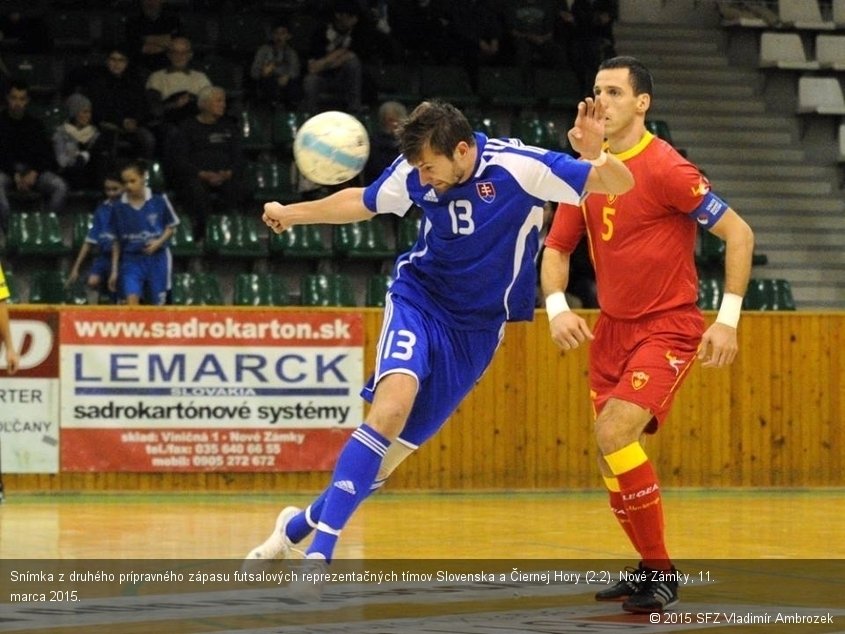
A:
(446, 362)
(137, 269)
(101, 266)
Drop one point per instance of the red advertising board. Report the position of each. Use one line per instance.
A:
(199, 390)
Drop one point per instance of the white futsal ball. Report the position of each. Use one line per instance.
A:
(331, 148)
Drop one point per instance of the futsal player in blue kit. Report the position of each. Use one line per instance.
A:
(143, 223)
(471, 270)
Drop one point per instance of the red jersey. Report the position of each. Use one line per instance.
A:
(642, 243)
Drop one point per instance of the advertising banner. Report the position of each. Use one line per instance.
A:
(186, 390)
(29, 399)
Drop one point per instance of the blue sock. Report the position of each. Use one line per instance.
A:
(355, 472)
(301, 525)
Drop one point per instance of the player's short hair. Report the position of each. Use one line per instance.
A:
(640, 76)
(437, 124)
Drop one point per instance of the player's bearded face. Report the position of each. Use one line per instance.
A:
(439, 171)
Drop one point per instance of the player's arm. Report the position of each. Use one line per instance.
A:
(115, 266)
(344, 206)
(80, 258)
(568, 330)
(719, 344)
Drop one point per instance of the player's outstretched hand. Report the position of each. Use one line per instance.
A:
(274, 217)
(718, 346)
(569, 330)
(587, 133)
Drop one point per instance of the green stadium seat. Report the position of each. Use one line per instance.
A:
(711, 249)
(537, 131)
(659, 128)
(50, 287)
(484, 122)
(334, 289)
(765, 294)
(36, 233)
(260, 289)
(82, 222)
(377, 286)
(234, 236)
(42, 73)
(182, 243)
(196, 289)
(15, 290)
(256, 130)
(155, 177)
(365, 240)
(285, 126)
(271, 180)
(709, 293)
(302, 242)
(408, 232)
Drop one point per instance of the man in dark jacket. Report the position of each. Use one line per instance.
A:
(205, 160)
(119, 107)
(26, 155)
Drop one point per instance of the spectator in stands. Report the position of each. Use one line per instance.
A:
(205, 160)
(77, 145)
(150, 33)
(25, 32)
(172, 91)
(335, 67)
(473, 32)
(276, 69)
(416, 26)
(143, 224)
(384, 144)
(531, 24)
(120, 109)
(586, 28)
(26, 158)
(100, 239)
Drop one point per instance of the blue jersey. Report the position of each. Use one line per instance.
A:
(473, 265)
(101, 232)
(135, 228)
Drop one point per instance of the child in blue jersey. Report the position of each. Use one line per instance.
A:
(471, 270)
(104, 266)
(143, 224)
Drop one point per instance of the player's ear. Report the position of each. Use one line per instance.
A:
(643, 102)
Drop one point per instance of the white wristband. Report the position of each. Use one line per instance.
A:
(598, 162)
(556, 304)
(729, 310)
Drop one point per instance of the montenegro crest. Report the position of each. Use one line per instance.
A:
(638, 380)
(486, 191)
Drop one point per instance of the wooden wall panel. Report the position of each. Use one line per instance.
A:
(776, 418)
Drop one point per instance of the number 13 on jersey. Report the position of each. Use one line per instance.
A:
(399, 344)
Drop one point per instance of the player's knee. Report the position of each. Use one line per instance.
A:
(388, 420)
(611, 437)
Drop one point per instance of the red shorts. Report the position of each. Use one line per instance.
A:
(644, 361)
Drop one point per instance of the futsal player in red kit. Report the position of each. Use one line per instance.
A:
(650, 330)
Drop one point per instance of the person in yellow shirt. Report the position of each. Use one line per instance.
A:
(12, 358)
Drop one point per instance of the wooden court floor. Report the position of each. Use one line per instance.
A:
(725, 524)
(772, 553)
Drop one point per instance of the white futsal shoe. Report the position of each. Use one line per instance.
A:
(277, 546)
